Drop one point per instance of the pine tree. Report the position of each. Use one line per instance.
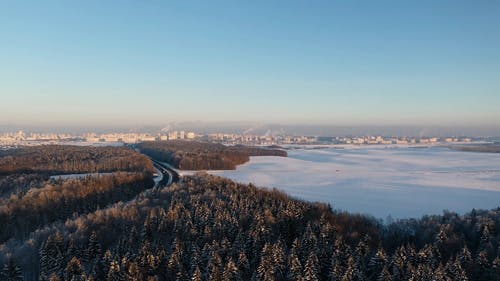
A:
(327, 237)
(482, 259)
(231, 272)
(132, 272)
(465, 256)
(147, 230)
(244, 266)
(175, 265)
(54, 277)
(439, 274)
(101, 267)
(115, 273)
(311, 271)
(51, 256)
(309, 242)
(295, 268)
(93, 247)
(377, 263)
(361, 251)
(133, 239)
(384, 274)
(399, 261)
(215, 272)
(266, 270)
(458, 272)
(336, 271)
(196, 275)
(342, 252)
(279, 259)
(11, 271)
(496, 265)
(352, 271)
(74, 270)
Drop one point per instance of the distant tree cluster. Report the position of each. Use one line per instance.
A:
(210, 228)
(66, 159)
(193, 155)
(488, 148)
(20, 214)
(19, 184)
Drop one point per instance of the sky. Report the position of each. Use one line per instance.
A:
(422, 63)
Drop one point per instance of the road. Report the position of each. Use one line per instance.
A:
(169, 175)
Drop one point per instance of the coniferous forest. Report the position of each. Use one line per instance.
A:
(204, 227)
(194, 155)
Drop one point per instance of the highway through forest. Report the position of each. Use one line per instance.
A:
(169, 175)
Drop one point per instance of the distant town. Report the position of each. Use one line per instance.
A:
(21, 138)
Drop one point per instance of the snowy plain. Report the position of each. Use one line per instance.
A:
(396, 181)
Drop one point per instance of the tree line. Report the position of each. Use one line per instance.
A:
(67, 159)
(194, 155)
(210, 228)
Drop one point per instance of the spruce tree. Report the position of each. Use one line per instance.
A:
(384, 274)
(196, 274)
(279, 261)
(336, 271)
(244, 266)
(458, 272)
(214, 268)
(11, 271)
(115, 273)
(294, 267)
(74, 270)
(377, 263)
(231, 272)
(311, 268)
(496, 265)
(93, 247)
(266, 270)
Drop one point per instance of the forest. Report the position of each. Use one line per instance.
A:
(54, 200)
(194, 155)
(31, 200)
(67, 159)
(105, 226)
(211, 228)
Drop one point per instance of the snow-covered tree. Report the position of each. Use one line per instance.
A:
(11, 271)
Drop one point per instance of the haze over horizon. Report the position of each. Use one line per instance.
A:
(424, 64)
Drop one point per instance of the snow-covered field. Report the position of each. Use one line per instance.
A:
(398, 181)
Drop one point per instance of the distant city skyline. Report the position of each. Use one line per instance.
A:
(274, 129)
(385, 64)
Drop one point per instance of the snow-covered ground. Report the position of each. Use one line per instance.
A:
(398, 181)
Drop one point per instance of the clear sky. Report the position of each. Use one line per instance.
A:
(322, 62)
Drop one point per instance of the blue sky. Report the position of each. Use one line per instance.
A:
(307, 62)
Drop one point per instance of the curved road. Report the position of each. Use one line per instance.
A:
(169, 175)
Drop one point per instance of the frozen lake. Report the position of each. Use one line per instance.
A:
(398, 181)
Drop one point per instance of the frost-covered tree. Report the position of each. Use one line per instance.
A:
(377, 263)
(11, 271)
(384, 274)
(311, 268)
(294, 267)
(115, 272)
(231, 272)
